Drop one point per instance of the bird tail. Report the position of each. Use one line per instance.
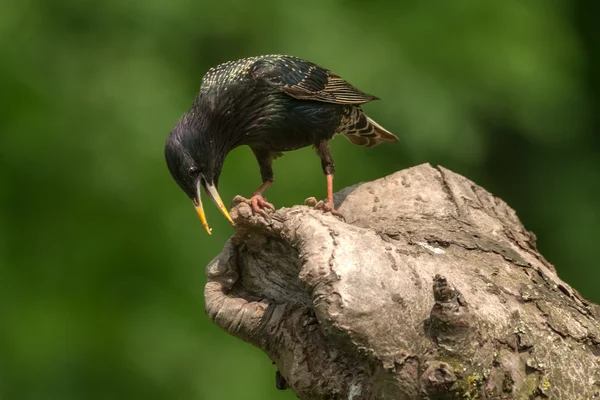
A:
(368, 133)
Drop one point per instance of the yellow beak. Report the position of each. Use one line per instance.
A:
(200, 211)
(211, 191)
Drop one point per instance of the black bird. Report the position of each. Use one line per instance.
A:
(273, 104)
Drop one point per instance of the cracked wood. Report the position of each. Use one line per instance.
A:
(431, 289)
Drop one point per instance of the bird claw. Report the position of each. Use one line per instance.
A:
(259, 204)
(311, 201)
(323, 206)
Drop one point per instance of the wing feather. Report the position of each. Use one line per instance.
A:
(307, 81)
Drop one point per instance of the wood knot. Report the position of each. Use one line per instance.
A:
(442, 292)
(438, 379)
(450, 320)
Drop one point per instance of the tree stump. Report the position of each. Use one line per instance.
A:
(431, 289)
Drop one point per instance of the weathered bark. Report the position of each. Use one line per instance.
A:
(431, 289)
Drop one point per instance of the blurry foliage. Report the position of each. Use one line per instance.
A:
(101, 254)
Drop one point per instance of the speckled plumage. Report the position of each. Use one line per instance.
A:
(272, 104)
(286, 79)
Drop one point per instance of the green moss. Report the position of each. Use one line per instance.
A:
(468, 387)
(531, 385)
(545, 384)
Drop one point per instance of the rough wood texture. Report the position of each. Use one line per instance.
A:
(431, 289)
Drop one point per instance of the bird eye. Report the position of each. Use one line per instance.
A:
(193, 171)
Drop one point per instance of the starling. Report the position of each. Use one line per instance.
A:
(273, 104)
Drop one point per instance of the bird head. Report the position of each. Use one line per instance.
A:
(195, 163)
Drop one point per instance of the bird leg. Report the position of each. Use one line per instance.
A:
(325, 206)
(328, 168)
(330, 191)
(258, 202)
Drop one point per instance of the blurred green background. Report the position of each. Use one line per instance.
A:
(102, 256)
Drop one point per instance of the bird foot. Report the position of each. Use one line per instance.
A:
(324, 206)
(257, 202)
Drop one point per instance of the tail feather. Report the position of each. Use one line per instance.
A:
(368, 133)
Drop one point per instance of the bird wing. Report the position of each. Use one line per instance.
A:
(304, 80)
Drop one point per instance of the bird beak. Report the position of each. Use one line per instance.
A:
(211, 191)
(200, 209)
